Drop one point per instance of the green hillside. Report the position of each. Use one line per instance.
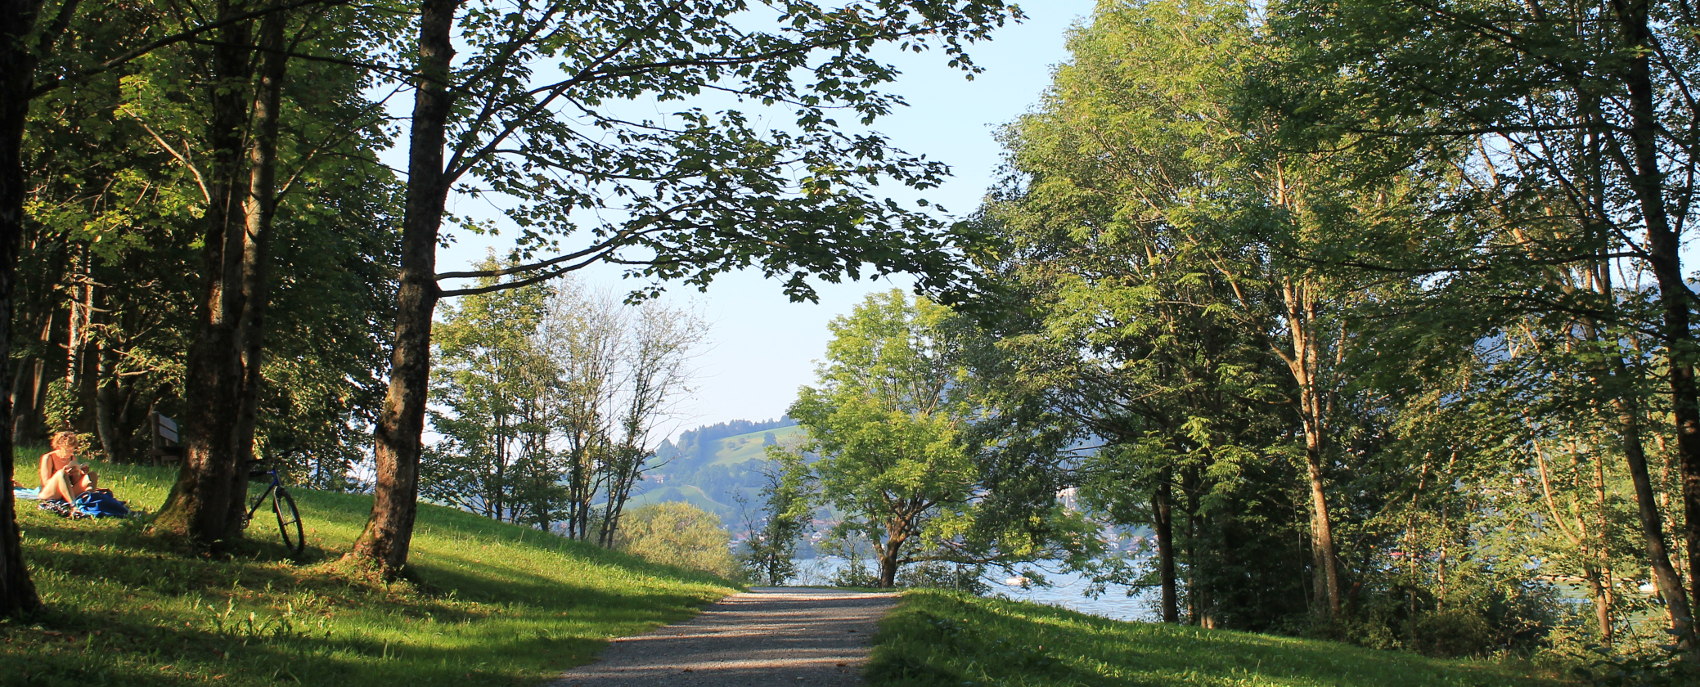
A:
(715, 467)
(687, 493)
(496, 604)
(753, 446)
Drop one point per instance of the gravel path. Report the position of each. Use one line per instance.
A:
(767, 636)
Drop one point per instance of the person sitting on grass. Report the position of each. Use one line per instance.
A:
(62, 477)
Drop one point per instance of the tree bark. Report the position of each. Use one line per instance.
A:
(199, 507)
(1163, 507)
(401, 423)
(1605, 594)
(1664, 247)
(106, 403)
(259, 208)
(889, 552)
(1665, 576)
(1304, 362)
(17, 72)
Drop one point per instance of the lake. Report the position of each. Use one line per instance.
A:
(1067, 590)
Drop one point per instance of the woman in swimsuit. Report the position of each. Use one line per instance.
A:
(62, 477)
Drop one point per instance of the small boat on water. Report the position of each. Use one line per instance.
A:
(1021, 581)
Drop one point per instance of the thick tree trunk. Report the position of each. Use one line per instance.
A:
(198, 509)
(259, 207)
(17, 72)
(401, 423)
(1163, 507)
(889, 554)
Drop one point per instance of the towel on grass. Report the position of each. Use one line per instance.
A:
(21, 493)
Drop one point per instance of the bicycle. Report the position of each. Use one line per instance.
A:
(288, 516)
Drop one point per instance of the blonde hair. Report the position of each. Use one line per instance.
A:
(63, 441)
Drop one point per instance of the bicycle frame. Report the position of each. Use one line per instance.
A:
(275, 484)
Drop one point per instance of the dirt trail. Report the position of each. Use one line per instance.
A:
(767, 636)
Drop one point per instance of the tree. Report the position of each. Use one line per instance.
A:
(1145, 132)
(887, 417)
(1574, 117)
(771, 547)
(17, 77)
(114, 341)
(688, 197)
(499, 391)
(235, 149)
(655, 372)
(107, 301)
(551, 395)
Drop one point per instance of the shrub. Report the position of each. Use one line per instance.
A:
(678, 533)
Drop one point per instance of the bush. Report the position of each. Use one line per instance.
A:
(959, 577)
(1477, 617)
(855, 573)
(678, 533)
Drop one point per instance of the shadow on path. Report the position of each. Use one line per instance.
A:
(767, 636)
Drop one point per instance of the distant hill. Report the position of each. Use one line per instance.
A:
(712, 467)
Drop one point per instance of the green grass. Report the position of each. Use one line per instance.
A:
(496, 604)
(941, 638)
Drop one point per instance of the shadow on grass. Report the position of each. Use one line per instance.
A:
(89, 648)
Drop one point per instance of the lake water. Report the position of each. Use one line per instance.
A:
(1067, 590)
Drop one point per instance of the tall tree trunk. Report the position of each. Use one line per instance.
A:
(29, 384)
(1665, 577)
(1304, 363)
(401, 423)
(622, 476)
(106, 403)
(199, 506)
(1664, 247)
(17, 72)
(1605, 594)
(1163, 509)
(259, 208)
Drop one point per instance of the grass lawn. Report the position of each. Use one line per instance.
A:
(942, 638)
(497, 604)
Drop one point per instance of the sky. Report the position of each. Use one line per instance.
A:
(760, 346)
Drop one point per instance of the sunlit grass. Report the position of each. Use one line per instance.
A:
(941, 638)
(496, 604)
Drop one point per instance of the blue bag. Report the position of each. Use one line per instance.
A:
(99, 503)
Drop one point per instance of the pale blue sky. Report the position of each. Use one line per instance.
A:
(762, 347)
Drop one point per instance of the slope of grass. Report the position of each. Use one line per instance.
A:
(747, 447)
(496, 604)
(688, 493)
(941, 638)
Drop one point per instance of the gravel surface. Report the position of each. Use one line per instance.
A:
(767, 636)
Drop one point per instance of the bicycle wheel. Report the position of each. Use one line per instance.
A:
(288, 521)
